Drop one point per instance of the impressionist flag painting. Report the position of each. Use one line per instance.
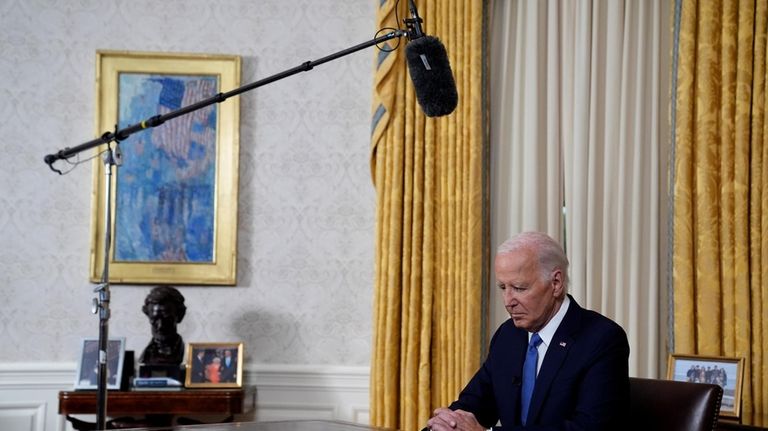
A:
(165, 194)
(175, 193)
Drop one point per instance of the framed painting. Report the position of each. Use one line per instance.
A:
(88, 365)
(174, 196)
(214, 365)
(719, 370)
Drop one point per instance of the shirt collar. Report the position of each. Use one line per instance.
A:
(548, 331)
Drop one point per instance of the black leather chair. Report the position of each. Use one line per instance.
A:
(666, 405)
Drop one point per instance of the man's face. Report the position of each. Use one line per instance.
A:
(530, 301)
(163, 320)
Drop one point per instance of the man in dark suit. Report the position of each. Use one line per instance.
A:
(572, 362)
(197, 367)
(228, 367)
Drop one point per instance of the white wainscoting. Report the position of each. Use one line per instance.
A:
(29, 394)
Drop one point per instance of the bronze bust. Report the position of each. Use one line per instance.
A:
(164, 306)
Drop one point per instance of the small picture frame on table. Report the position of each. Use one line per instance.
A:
(726, 372)
(214, 365)
(88, 365)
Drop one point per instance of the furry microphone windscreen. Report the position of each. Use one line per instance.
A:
(431, 75)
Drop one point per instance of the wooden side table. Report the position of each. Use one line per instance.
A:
(157, 407)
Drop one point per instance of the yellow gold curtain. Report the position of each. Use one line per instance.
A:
(720, 199)
(430, 179)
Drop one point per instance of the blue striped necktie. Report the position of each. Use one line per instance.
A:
(529, 375)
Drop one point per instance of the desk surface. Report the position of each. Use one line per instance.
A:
(183, 402)
(304, 425)
(756, 423)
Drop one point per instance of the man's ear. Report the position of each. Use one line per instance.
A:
(558, 286)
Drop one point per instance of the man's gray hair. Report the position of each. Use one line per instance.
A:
(550, 253)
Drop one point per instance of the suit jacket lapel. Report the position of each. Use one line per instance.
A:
(553, 360)
(518, 358)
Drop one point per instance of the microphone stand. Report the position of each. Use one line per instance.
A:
(113, 158)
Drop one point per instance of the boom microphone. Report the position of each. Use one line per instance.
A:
(430, 69)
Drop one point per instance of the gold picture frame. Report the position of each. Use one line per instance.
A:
(721, 370)
(174, 199)
(214, 365)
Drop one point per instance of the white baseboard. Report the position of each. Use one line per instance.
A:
(29, 394)
(25, 415)
(285, 392)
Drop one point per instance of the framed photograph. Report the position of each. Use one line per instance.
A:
(214, 365)
(174, 196)
(719, 370)
(88, 365)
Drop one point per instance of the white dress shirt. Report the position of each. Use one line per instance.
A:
(548, 331)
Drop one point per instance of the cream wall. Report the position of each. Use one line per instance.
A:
(306, 216)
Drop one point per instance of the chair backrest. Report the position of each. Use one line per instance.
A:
(666, 405)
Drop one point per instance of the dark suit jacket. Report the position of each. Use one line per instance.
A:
(228, 373)
(583, 383)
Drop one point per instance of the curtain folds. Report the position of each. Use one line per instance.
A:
(430, 181)
(720, 198)
(578, 126)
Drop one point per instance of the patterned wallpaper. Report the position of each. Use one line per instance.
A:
(305, 264)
